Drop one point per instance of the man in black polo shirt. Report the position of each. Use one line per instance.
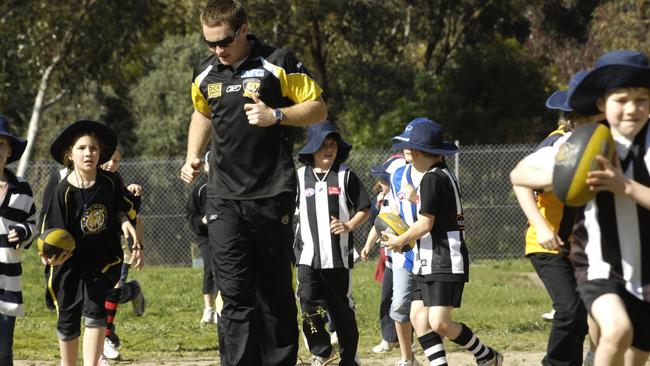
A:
(246, 95)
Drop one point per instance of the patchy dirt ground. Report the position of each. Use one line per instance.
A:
(455, 359)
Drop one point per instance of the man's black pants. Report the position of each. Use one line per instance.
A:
(251, 245)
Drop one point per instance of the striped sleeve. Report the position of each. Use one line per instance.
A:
(20, 213)
(295, 81)
(198, 99)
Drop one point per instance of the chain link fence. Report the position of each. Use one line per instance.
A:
(494, 223)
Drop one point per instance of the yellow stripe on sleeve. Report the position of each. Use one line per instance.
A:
(199, 101)
(298, 87)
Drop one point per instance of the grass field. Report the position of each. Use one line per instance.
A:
(502, 304)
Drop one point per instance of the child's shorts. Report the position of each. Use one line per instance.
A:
(438, 293)
(637, 310)
(76, 291)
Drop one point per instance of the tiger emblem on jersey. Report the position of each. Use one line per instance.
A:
(252, 87)
(93, 220)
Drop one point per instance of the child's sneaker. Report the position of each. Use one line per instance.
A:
(110, 348)
(403, 362)
(323, 361)
(138, 301)
(334, 339)
(384, 346)
(208, 316)
(497, 360)
(549, 316)
(103, 361)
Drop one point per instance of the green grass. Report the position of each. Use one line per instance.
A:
(501, 304)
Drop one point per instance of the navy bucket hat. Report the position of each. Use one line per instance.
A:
(406, 134)
(316, 134)
(559, 99)
(18, 145)
(427, 137)
(613, 70)
(103, 133)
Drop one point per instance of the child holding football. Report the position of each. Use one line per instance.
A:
(17, 223)
(90, 204)
(441, 267)
(614, 224)
(332, 202)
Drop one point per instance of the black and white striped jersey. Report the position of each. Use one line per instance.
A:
(338, 193)
(442, 254)
(18, 211)
(617, 240)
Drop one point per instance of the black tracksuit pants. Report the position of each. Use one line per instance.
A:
(332, 287)
(251, 246)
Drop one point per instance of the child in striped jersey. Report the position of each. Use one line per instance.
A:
(441, 267)
(17, 225)
(613, 226)
(403, 181)
(332, 202)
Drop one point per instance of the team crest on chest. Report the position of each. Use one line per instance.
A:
(94, 219)
(309, 192)
(214, 90)
(252, 87)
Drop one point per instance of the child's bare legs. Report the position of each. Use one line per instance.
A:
(404, 331)
(635, 357)
(615, 328)
(441, 323)
(430, 341)
(208, 300)
(69, 351)
(93, 345)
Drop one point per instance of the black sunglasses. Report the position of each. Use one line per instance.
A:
(223, 43)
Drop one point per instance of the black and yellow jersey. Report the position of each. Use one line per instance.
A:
(560, 217)
(250, 162)
(90, 215)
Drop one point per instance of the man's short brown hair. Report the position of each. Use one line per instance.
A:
(218, 12)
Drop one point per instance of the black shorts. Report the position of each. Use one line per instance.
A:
(76, 290)
(438, 293)
(637, 310)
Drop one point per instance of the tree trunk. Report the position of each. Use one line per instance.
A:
(32, 130)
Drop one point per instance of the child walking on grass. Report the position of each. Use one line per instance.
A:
(90, 204)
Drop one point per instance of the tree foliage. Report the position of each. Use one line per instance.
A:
(483, 68)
